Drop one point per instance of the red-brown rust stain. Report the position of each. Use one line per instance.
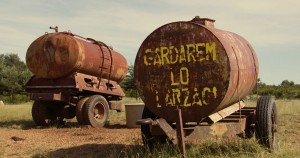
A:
(31, 58)
(63, 53)
(52, 56)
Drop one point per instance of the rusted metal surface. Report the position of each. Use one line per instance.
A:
(63, 89)
(232, 125)
(180, 133)
(56, 55)
(218, 130)
(165, 128)
(194, 65)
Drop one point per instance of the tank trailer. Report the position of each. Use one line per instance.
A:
(74, 76)
(193, 78)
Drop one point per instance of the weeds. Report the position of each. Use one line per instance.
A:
(228, 148)
(40, 152)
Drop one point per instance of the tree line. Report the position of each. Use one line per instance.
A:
(286, 90)
(14, 74)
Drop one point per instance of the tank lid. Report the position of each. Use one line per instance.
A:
(204, 21)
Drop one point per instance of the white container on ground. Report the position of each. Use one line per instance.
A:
(1, 103)
(133, 112)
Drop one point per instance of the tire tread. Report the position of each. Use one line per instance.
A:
(89, 106)
(263, 124)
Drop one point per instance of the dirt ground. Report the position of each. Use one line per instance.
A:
(22, 138)
(67, 142)
(85, 141)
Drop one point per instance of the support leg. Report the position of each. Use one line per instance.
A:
(180, 133)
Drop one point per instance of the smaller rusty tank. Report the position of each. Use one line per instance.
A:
(194, 65)
(56, 55)
(74, 76)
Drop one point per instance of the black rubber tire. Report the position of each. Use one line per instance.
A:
(45, 113)
(79, 111)
(148, 139)
(266, 125)
(39, 113)
(68, 111)
(95, 111)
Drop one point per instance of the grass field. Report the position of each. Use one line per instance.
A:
(16, 120)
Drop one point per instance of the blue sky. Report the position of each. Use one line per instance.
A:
(271, 26)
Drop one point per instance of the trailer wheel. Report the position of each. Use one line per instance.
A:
(68, 111)
(149, 139)
(96, 111)
(79, 111)
(39, 113)
(44, 114)
(266, 125)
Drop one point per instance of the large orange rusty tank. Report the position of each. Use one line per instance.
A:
(194, 65)
(56, 55)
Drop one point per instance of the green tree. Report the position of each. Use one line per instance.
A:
(128, 84)
(13, 75)
(287, 83)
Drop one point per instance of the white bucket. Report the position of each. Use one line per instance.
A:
(1, 103)
(133, 112)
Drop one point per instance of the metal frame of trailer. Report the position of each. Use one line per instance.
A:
(237, 119)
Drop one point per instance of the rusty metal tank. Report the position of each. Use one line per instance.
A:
(194, 65)
(59, 54)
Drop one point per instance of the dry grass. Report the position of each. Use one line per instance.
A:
(289, 130)
(16, 116)
(16, 120)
